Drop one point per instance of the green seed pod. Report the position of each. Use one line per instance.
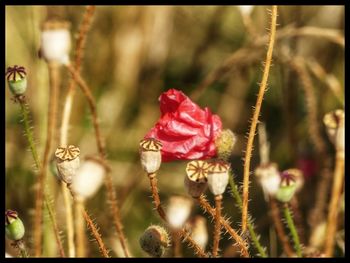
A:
(16, 79)
(155, 241)
(14, 227)
(196, 178)
(288, 185)
(224, 144)
(151, 157)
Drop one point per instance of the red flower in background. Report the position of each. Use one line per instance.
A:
(186, 131)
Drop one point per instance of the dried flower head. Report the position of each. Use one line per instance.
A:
(150, 154)
(89, 177)
(218, 176)
(55, 41)
(335, 124)
(16, 79)
(196, 178)
(269, 177)
(14, 227)
(178, 210)
(67, 162)
(155, 240)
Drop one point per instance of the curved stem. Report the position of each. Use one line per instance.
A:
(217, 227)
(293, 231)
(262, 89)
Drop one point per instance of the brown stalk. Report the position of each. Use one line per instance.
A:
(51, 125)
(96, 234)
(217, 227)
(255, 119)
(224, 223)
(276, 217)
(102, 152)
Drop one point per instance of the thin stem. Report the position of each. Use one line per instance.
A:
(96, 235)
(187, 238)
(332, 221)
(69, 220)
(217, 227)
(79, 226)
(177, 244)
(224, 223)
(293, 231)
(275, 214)
(52, 112)
(253, 235)
(262, 89)
(102, 152)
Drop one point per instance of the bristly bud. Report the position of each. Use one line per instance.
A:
(67, 162)
(224, 144)
(155, 240)
(335, 124)
(178, 210)
(199, 231)
(288, 185)
(55, 41)
(89, 177)
(218, 175)
(269, 177)
(150, 154)
(14, 227)
(196, 178)
(16, 79)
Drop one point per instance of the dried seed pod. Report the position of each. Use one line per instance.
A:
(199, 231)
(151, 157)
(14, 227)
(335, 124)
(218, 175)
(288, 185)
(55, 41)
(89, 177)
(16, 79)
(178, 210)
(224, 144)
(269, 177)
(67, 162)
(154, 241)
(196, 178)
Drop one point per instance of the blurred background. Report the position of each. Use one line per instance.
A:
(213, 54)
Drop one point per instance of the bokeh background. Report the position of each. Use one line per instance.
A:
(132, 55)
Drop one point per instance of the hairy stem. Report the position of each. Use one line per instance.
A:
(259, 100)
(332, 221)
(217, 227)
(293, 231)
(253, 235)
(69, 220)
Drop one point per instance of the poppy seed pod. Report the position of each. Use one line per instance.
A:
(269, 178)
(224, 144)
(14, 227)
(89, 177)
(196, 178)
(178, 210)
(154, 241)
(199, 231)
(55, 41)
(16, 79)
(67, 162)
(288, 186)
(218, 175)
(335, 124)
(151, 157)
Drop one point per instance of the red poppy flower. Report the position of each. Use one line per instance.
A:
(186, 131)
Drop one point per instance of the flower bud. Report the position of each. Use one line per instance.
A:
(178, 210)
(196, 178)
(55, 41)
(224, 144)
(16, 79)
(269, 178)
(218, 175)
(14, 227)
(199, 231)
(89, 177)
(150, 155)
(288, 185)
(334, 122)
(67, 162)
(154, 241)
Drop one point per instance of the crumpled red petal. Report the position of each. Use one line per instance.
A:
(186, 131)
